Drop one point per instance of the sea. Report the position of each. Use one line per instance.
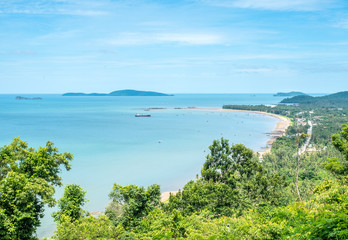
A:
(110, 145)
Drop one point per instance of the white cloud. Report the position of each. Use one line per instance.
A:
(342, 24)
(340, 44)
(55, 12)
(53, 7)
(125, 39)
(59, 35)
(262, 56)
(333, 67)
(191, 39)
(278, 5)
(158, 38)
(254, 70)
(83, 13)
(23, 52)
(234, 58)
(154, 23)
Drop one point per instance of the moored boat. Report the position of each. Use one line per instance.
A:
(142, 115)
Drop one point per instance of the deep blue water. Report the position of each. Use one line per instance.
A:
(111, 146)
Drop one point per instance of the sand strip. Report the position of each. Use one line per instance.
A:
(165, 195)
(278, 131)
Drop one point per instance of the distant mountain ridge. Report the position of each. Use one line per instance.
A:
(339, 99)
(288, 94)
(126, 92)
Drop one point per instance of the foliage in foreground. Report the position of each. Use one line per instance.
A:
(85, 228)
(324, 217)
(340, 166)
(234, 199)
(70, 205)
(131, 203)
(27, 181)
(237, 197)
(232, 181)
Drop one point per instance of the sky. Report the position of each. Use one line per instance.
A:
(173, 46)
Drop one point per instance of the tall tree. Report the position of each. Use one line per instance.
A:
(224, 160)
(70, 205)
(338, 166)
(134, 203)
(299, 138)
(27, 181)
(232, 181)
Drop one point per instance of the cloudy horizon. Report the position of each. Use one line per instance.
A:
(184, 46)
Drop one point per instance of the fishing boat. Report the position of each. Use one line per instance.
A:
(142, 115)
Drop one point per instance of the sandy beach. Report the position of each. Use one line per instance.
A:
(165, 195)
(278, 131)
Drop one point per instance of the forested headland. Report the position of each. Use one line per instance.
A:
(297, 191)
(339, 99)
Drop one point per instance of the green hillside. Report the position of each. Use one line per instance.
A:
(339, 99)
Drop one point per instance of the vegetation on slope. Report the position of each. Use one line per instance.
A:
(236, 197)
(339, 99)
(221, 205)
(27, 181)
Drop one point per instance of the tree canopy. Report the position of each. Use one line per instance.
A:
(336, 165)
(132, 203)
(27, 181)
(70, 205)
(232, 181)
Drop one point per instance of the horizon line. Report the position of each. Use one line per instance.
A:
(176, 93)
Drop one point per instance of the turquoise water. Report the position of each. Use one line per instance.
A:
(111, 146)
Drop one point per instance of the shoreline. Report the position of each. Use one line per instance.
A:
(165, 195)
(278, 131)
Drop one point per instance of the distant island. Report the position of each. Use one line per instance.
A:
(339, 99)
(127, 92)
(288, 94)
(28, 98)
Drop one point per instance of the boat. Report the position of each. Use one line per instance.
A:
(142, 115)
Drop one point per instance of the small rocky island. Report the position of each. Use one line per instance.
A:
(288, 94)
(127, 92)
(28, 98)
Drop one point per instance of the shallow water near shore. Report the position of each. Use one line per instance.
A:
(110, 145)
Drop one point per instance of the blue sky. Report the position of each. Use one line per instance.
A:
(182, 46)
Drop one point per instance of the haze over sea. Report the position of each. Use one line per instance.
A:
(110, 145)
